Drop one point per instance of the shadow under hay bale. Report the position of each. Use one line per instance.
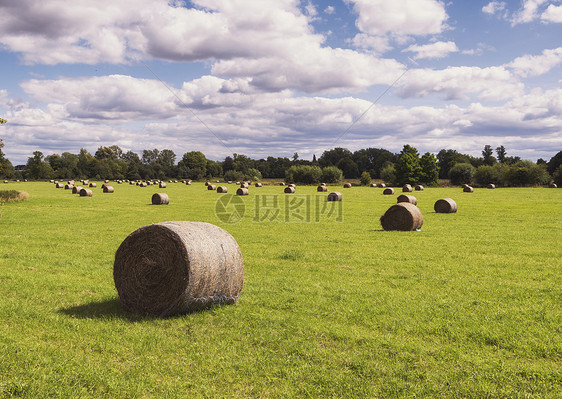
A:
(172, 268)
(407, 188)
(86, 192)
(407, 198)
(468, 189)
(108, 189)
(445, 205)
(335, 196)
(160, 199)
(402, 217)
(419, 187)
(289, 190)
(242, 191)
(321, 189)
(222, 189)
(388, 191)
(347, 185)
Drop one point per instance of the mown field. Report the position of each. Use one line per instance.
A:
(470, 306)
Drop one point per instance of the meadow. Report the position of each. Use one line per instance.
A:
(468, 307)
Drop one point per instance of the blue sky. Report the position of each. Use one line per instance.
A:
(274, 77)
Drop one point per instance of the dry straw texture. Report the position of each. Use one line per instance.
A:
(322, 188)
(419, 187)
(6, 181)
(403, 217)
(108, 189)
(289, 190)
(445, 205)
(468, 189)
(222, 189)
(160, 199)
(373, 184)
(244, 185)
(388, 191)
(175, 267)
(68, 187)
(242, 191)
(407, 188)
(407, 198)
(347, 185)
(335, 196)
(86, 192)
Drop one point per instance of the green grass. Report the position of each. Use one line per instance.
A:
(470, 306)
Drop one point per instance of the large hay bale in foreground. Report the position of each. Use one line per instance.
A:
(175, 267)
(407, 188)
(335, 196)
(468, 189)
(388, 191)
(445, 205)
(289, 190)
(321, 188)
(160, 199)
(403, 217)
(222, 189)
(242, 191)
(108, 189)
(85, 192)
(407, 198)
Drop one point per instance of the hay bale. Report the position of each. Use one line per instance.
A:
(468, 189)
(407, 198)
(242, 191)
(222, 189)
(68, 186)
(50, 181)
(551, 185)
(188, 183)
(6, 181)
(334, 196)
(321, 188)
(160, 199)
(388, 191)
(347, 185)
(59, 185)
(282, 183)
(108, 189)
(207, 183)
(292, 185)
(464, 185)
(106, 181)
(85, 192)
(445, 205)
(244, 185)
(119, 181)
(403, 217)
(162, 185)
(76, 189)
(322, 184)
(132, 183)
(373, 184)
(289, 190)
(71, 182)
(93, 185)
(230, 182)
(172, 268)
(143, 184)
(211, 187)
(491, 186)
(406, 188)
(258, 185)
(382, 185)
(237, 183)
(419, 187)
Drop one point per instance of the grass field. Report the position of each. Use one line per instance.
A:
(470, 306)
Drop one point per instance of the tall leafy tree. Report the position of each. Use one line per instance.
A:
(333, 157)
(501, 153)
(408, 168)
(488, 155)
(429, 169)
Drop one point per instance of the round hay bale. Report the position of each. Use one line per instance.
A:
(85, 192)
(322, 184)
(188, 183)
(162, 185)
(403, 217)
(464, 185)
(244, 185)
(119, 181)
(406, 188)
(382, 185)
(491, 186)
(59, 185)
(106, 181)
(207, 183)
(334, 196)
(50, 181)
(468, 189)
(132, 183)
(419, 187)
(321, 188)
(6, 181)
(373, 184)
(289, 190)
(292, 185)
(551, 185)
(160, 199)
(347, 185)
(222, 189)
(445, 205)
(388, 191)
(211, 187)
(93, 185)
(407, 198)
(237, 183)
(71, 182)
(108, 189)
(172, 268)
(76, 189)
(282, 184)
(258, 185)
(242, 191)
(230, 182)
(68, 187)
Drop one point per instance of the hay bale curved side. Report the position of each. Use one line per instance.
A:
(161, 185)
(382, 185)
(388, 191)
(347, 185)
(222, 189)
(289, 190)
(335, 196)
(445, 205)
(108, 189)
(407, 198)
(160, 199)
(85, 192)
(419, 187)
(93, 185)
(321, 189)
(176, 267)
(242, 191)
(258, 185)
(402, 217)
(407, 188)
(76, 189)
(468, 189)
(491, 186)
(211, 187)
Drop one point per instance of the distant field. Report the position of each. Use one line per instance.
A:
(470, 306)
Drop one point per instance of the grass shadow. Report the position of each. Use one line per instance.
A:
(104, 309)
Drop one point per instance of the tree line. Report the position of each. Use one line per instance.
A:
(408, 166)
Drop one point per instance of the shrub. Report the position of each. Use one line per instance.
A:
(461, 173)
(526, 173)
(252, 174)
(233, 175)
(557, 176)
(305, 174)
(388, 173)
(331, 174)
(486, 174)
(365, 178)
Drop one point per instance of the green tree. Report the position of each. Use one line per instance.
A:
(365, 178)
(408, 168)
(486, 174)
(194, 164)
(429, 169)
(461, 173)
(501, 153)
(557, 176)
(488, 155)
(331, 174)
(333, 157)
(348, 167)
(37, 168)
(449, 158)
(6, 167)
(388, 173)
(2, 121)
(554, 162)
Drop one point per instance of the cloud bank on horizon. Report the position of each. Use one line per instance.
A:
(274, 77)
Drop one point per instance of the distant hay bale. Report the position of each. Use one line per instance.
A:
(68, 186)
(93, 185)
(407, 198)
(258, 185)
(222, 189)
(242, 191)
(230, 182)
(334, 196)
(59, 185)
(106, 181)
(468, 189)
(162, 185)
(172, 268)
(160, 199)
(406, 188)
(119, 181)
(292, 185)
(108, 189)
(491, 186)
(71, 182)
(419, 187)
(322, 184)
(188, 183)
(207, 183)
(50, 181)
(6, 181)
(321, 188)
(85, 182)
(388, 191)
(347, 185)
(282, 183)
(464, 185)
(76, 189)
(132, 183)
(85, 192)
(237, 183)
(244, 185)
(445, 205)
(143, 184)
(289, 190)
(403, 217)
(551, 185)
(211, 187)
(382, 185)
(373, 184)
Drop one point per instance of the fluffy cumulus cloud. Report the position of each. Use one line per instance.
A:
(494, 7)
(552, 14)
(529, 11)
(433, 50)
(535, 65)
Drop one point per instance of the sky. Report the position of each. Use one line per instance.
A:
(274, 77)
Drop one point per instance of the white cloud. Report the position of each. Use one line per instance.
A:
(433, 50)
(494, 7)
(535, 65)
(552, 14)
(376, 44)
(528, 13)
(329, 10)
